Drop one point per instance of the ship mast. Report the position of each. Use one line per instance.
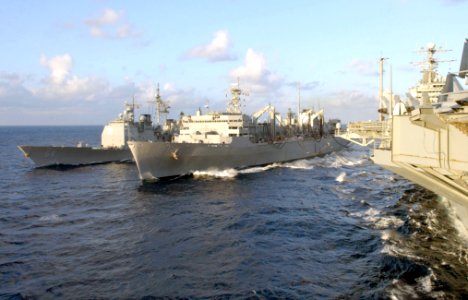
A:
(161, 107)
(429, 66)
(234, 105)
(390, 101)
(299, 121)
(382, 109)
(431, 83)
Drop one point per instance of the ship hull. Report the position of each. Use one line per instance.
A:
(49, 156)
(156, 160)
(433, 158)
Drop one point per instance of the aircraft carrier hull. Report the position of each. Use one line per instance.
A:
(49, 156)
(435, 158)
(156, 160)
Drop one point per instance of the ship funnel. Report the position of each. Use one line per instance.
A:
(464, 60)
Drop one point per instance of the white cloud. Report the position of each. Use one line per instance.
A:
(111, 24)
(63, 97)
(362, 67)
(108, 16)
(96, 32)
(217, 50)
(169, 87)
(177, 97)
(59, 67)
(255, 74)
(12, 90)
(304, 86)
(125, 31)
(350, 105)
(62, 83)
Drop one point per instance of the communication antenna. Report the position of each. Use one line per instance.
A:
(429, 66)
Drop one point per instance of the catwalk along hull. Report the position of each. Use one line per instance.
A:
(160, 160)
(48, 156)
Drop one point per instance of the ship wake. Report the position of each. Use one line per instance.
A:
(348, 158)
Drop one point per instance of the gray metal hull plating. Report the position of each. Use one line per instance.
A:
(435, 158)
(46, 156)
(160, 159)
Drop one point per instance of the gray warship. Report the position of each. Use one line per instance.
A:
(233, 140)
(114, 138)
(425, 138)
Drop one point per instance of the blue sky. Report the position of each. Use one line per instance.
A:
(77, 62)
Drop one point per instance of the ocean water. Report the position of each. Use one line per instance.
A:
(335, 227)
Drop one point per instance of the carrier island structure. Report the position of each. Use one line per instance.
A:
(234, 140)
(425, 138)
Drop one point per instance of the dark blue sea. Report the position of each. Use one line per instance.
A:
(335, 227)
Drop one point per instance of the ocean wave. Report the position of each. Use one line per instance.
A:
(48, 218)
(378, 221)
(335, 160)
(303, 164)
(341, 177)
(459, 226)
(258, 169)
(417, 288)
(226, 174)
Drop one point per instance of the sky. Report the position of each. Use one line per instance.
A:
(77, 62)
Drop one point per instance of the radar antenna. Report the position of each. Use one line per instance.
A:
(429, 66)
(234, 105)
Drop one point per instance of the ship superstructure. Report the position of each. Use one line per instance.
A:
(232, 139)
(214, 127)
(430, 86)
(114, 138)
(118, 132)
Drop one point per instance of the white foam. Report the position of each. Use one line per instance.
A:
(374, 217)
(425, 283)
(258, 169)
(341, 177)
(333, 160)
(459, 226)
(231, 173)
(341, 161)
(389, 249)
(401, 290)
(302, 164)
(387, 222)
(53, 217)
(345, 192)
(228, 173)
(386, 234)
